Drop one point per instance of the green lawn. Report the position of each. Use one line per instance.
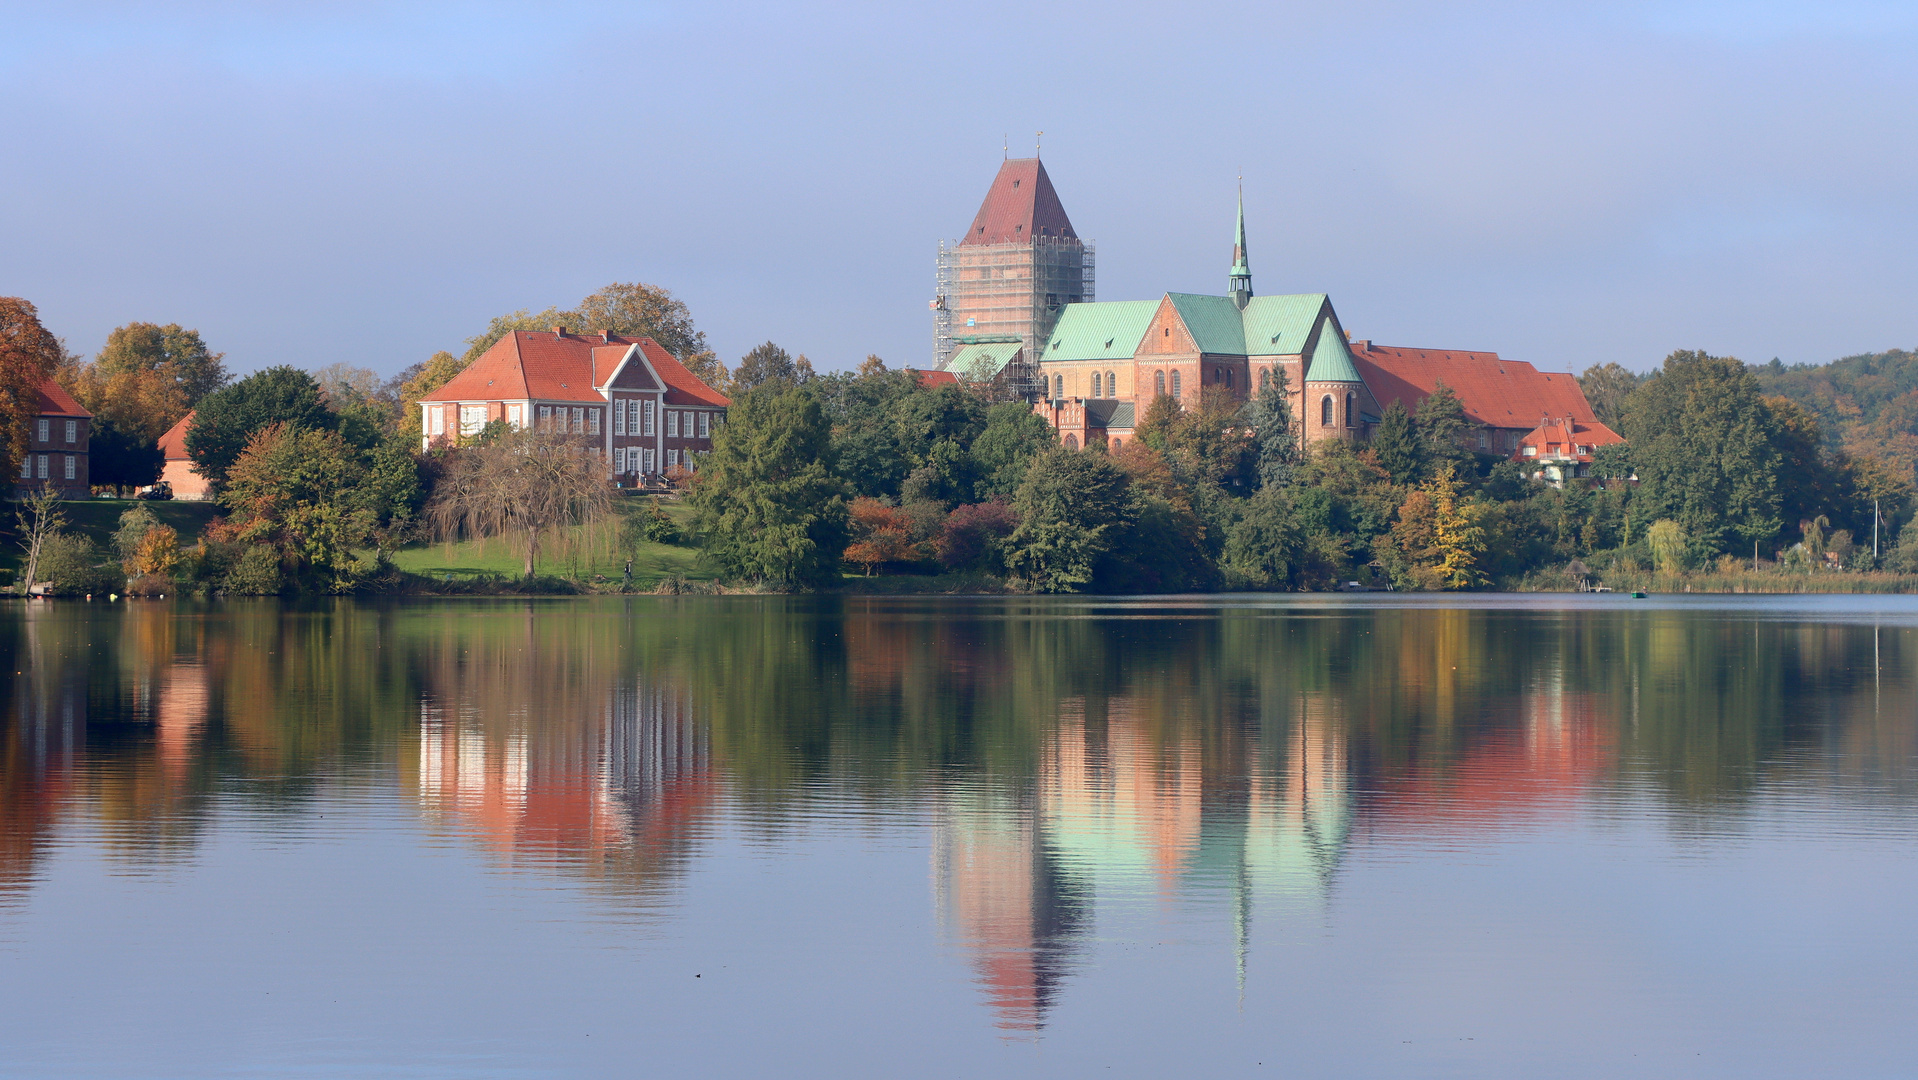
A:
(99, 519)
(651, 561)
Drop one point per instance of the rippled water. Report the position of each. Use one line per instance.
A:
(1366, 836)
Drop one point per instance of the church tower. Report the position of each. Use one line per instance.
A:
(1239, 287)
(1017, 267)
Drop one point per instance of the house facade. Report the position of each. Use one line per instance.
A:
(1561, 448)
(178, 472)
(627, 397)
(57, 440)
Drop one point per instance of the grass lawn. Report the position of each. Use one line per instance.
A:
(500, 557)
(99, 519)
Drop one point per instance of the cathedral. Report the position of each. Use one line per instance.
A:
(1093, 367)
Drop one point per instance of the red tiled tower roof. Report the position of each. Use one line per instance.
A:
(55, 401)
(1494, 392)
(1020, 204)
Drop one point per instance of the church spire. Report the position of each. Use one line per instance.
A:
(1241, 284)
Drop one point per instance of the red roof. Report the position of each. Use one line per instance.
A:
(1565, 437)
(173, 443)
(55, 401)
(1019, 205)
(546, 365)
(1494, 392)
(935, 378)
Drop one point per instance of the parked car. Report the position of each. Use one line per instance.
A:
(159, 492)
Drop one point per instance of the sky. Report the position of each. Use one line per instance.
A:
(1563, 183)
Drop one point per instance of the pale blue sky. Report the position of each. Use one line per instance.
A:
(1563, 183)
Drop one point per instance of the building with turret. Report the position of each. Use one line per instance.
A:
(1001, 287)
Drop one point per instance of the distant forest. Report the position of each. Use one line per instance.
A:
(1865, 405)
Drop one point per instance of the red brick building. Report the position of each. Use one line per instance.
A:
(57, 445)
(178, 472)
(1561, 448)
(646, 413)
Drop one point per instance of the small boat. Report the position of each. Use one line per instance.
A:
(1638, 596)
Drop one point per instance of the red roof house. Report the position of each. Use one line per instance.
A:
(178, 472)
(628, 396)
(1562, 447)
(57, 441)
(1503, 399)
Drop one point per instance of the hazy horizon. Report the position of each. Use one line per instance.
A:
(1564, 184)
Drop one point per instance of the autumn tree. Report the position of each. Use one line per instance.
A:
(28, 357)
(639, 310)
(301, 492)
(880, 534)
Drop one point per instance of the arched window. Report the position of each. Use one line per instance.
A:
(1096, 385)
(1112, 385)
(1175, 385)
(1228, 377)
(1325, 411)
(1265, 378)
(1072, 442)
(1158, 383)
(1116, 444)
(1351, 403)
(1059, 386)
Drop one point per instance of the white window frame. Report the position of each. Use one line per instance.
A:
(592, 421)
(647, 456)
(672, 458)
(705, 425)
(41, 466)
(472, 419)
(69, 467)
(516, 416)
(26, 466)
(672, 423)
(73, 431)
(619, 417)
(647, 414)
(579, 420)
(545, 418)
(435, 420)
(45, 430)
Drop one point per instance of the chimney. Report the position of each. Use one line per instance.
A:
(559, 331)
(606, 335)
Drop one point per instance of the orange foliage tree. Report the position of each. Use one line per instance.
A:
(28, 355)
(881, 534)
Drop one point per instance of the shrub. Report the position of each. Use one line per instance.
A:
(973, 536)
(255, 573)
(71, 565)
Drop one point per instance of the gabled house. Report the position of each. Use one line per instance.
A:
(1502, 399)
(178, 472)
(57, 440)
(1562, 448)
(628, 397)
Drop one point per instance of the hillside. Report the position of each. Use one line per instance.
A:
(1865, 404)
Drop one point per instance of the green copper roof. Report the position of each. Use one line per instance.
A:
(1281, 325)
(1240, 268)
(1107, 331)
(1215, 322)
(995, 355)
(1331, 360)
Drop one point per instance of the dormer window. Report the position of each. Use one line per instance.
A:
(1015, 185)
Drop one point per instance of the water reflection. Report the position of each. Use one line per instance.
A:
(1067, 759)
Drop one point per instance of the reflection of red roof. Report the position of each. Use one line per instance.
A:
(937, 378)
(1495, 393)
(1566, 437)
(547, 365)
(1019, 204)
(173, 443)
(55, 401)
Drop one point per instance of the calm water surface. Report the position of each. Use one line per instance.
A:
(749, 836)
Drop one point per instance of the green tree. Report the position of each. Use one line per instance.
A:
(1266, 547)
(1667, 540)
(28, 357)
(1396, 445)
(1274, 431)
(227, 419)
(297, 490)
(768, 505)
(768, 363)
(1014, 435)
(415, 383)
(1609, 388)
(1705, 447)
(1442, 426)
(1158, 428)
(1070, 507)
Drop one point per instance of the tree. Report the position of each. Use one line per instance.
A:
(1158, 428)
(418, 381)
(1265, 547)
(296, 490)
(39, 518)
(28, 357)
(973, 536)
(1666, 538)
(1012, 437)
(766, 498)
(527, 486)
(122, 459)
(176, 353)
(1396, 445)
(881, 534)
(1274, 431)
(641, 310)
(1070, 506)
(228, 418)
(1704, 444)
(1460, 540)
(1609, 388)
(1441, 427)
(768, 363)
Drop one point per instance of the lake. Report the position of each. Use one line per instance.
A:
(770, 836)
